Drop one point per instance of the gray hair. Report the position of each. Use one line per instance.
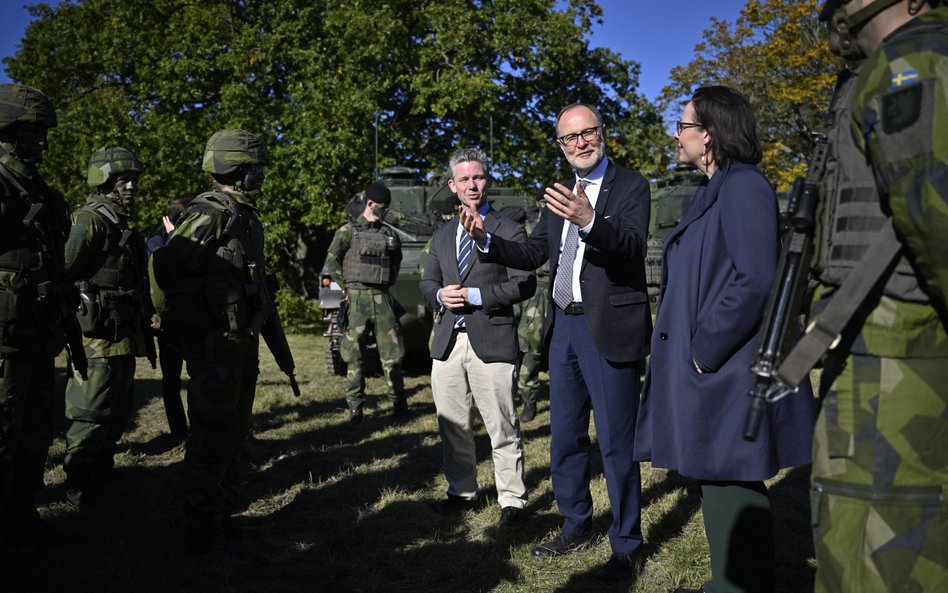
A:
(464, 155)
(591, 108)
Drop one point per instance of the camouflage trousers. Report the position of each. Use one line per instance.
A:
(372, 309)
(98, 411)
(26, 432)
(530, 336)
(880, 476)
(223, 381)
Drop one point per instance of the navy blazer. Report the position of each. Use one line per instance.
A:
(612, 277)
(492, 327)
(718, 267)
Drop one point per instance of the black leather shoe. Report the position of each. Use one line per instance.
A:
(560, 545)
(454, 505)
(529, 412)
(510, 518)
(355, 416)
(620, 568)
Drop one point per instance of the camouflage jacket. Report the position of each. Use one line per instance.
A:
(96, 250)
(339, 248)
(211, 273)
(899, 121)
(31, 256)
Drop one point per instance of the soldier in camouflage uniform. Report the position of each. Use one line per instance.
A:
(880, 469)
(530, 330)
(364, 259)
(34, 222)
(106, 259)
(208, 285)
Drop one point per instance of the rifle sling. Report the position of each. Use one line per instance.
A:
(824, 333)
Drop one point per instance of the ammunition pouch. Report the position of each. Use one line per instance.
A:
(107, 314)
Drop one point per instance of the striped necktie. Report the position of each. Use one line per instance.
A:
(563, 285)
(465, 248)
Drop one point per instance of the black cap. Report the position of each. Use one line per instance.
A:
(378, 193)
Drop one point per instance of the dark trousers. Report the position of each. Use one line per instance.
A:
(169, 356)
(26, 432)
(739, 524)
(223, 379)
(582, 380)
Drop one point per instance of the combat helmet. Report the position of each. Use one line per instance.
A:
(111, 162)
(230, 148)
(24, 104)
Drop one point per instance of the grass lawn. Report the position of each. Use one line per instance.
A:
(335, 508)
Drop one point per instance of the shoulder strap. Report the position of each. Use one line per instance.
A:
(824, 333)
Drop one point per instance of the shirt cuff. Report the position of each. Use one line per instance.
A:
(486, 245)
(585, 230)
(474, 296)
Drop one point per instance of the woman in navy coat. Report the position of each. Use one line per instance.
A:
(718, 267)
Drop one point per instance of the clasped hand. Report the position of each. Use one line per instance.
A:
(454, 296)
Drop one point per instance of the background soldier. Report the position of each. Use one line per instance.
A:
(881, 445)
(364, 259)
(34, 221)
(209, 286)
(530, 329)
(169, 345)
(106, 259)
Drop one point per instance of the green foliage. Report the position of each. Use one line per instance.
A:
(776, 54)
(312, 79)
(297, 313)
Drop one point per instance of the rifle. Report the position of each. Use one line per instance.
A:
(61, 297)
(785, 304)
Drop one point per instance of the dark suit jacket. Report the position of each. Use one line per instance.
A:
(612, 277)
(492, 327)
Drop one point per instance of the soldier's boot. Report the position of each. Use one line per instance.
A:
(355, 416)
(400, 410)
(529, 411)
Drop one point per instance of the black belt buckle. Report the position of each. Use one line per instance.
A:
(462, 329)
(574, 309)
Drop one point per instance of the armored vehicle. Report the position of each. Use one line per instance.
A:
(415, 213)
(670, 200)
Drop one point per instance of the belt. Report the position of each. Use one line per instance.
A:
(461, 329)
(574, 309)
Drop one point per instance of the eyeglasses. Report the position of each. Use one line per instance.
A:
(681, 126)
(589, 134)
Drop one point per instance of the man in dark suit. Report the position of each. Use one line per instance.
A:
(597, 330)
(474, 347)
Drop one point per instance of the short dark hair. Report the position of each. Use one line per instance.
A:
(177, 207)
(727, 115)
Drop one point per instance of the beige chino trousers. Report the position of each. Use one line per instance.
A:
(460, 383)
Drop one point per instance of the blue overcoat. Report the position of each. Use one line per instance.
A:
(718, 267)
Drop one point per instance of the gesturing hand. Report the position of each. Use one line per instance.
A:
(573, 205)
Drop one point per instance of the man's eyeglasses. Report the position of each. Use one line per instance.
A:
(681, 126)
(589, 134)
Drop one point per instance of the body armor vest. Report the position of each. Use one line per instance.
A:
(110, 299)
(232, 284)
(32, 235)
(368, 261)
(851, 214)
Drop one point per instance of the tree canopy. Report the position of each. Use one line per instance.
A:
(776, 54)
(313, 79)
